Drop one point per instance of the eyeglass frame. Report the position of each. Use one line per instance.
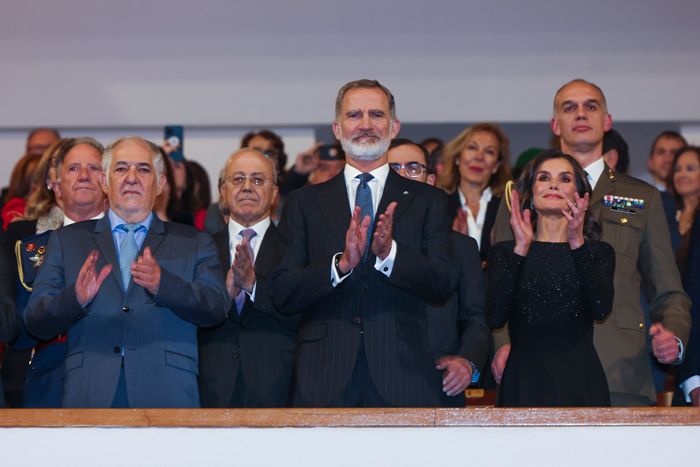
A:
(242, 179)
(396, 167)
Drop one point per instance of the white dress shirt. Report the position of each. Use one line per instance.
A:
(235, 239)
(475, 225)
(376, 186)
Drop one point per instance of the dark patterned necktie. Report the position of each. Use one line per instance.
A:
(363, 198)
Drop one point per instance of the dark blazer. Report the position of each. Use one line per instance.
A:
(9, 320)
(386, 314)
(256, 346)
(454, 204)
(458, 327)
(157, 334)
(691, 283)
(643, 262)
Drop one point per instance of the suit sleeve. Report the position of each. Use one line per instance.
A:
(297, 282)
(505, 268)
(9, 321)
(203, 300)
(661, 280)
(426, 272)
(471, 318)
(53, 306)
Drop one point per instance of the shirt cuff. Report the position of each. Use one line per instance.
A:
(681, 352)
(335, 277)
(252, 294)
(386, 265)
(688, 385)
(476, 374)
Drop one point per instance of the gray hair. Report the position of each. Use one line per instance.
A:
(154, 150)
(66, 145)
(364, 84)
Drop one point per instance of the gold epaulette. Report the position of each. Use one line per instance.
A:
(20, 269)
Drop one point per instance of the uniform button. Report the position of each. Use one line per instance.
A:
(641, 325)
(364, 288)
(125, 309)
(117, 349)
(357, 320)
(235, 355)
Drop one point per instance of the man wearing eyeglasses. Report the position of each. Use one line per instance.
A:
(247, 360)
(457, 328)
(363, 252)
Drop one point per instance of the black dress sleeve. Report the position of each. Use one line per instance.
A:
(595, 266)
(504, 268)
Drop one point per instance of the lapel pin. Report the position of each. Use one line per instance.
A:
(405, 192)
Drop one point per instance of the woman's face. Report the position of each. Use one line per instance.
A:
(479, 158)
(554, 184)
(686, 174)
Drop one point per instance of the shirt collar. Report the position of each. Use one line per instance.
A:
(115, 221)
(380, 173)
(68, 221)
(486, 196)
(594, 171)
(234, 228)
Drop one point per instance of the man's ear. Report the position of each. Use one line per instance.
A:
(336, 130)
(554, 125)
(103, 183)
(395, 127)
(607, 122)
(161, 183)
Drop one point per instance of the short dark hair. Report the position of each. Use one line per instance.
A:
(612, 139)
(591, 227)
(670, 134)
(276, 141)
(429, 160)
(364, 84)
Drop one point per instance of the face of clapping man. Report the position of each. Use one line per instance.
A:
(250, 188)
(132, 183)
(364, 127)
(580, 118)
(78, 183)
(409, 161)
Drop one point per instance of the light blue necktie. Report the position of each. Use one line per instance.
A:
(363, 198)
(128, 251)
(247, 234)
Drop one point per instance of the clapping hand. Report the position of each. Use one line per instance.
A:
(355, 242)
(521, 223)
(89, 281)
(576, 217)
(381, 243)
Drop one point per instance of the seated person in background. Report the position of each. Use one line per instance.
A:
(664, 147)
(247, 360)
(318, 164)
(131, 306)
(457, 328)
(550, 285)
(476, 169)
(271, 144)
(21, 179)
(201, 193)
(39, 140)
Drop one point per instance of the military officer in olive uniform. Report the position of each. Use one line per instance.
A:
(633, 221)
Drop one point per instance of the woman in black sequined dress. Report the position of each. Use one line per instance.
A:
(550, 285)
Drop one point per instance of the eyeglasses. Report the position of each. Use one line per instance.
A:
(239, 180)
(413, 169)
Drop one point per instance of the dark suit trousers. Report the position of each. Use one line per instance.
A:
(360, 391)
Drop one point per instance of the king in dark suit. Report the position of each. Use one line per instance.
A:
(130, 291)
(361, 290)
(247, 360)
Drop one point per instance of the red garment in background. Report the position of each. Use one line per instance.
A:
(12, 210)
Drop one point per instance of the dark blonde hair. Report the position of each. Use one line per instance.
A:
(448, 179)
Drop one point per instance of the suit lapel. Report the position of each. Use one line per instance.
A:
(263, 262)
(396, 189)
(335, 206)
(105, 244)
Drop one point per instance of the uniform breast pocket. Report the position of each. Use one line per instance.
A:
(623, 231)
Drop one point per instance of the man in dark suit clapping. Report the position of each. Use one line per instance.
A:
(363, 252)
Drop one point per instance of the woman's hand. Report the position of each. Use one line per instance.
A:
(521, 223)
(576, 217)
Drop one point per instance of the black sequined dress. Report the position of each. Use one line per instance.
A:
(550, 300)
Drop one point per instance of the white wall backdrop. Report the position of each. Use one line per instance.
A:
(219, 63)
